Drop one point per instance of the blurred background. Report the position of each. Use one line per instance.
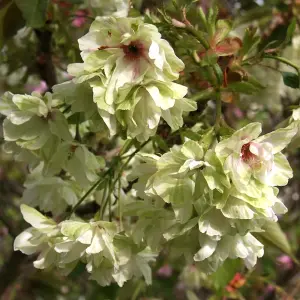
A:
(36, 59)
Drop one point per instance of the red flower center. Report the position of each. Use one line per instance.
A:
(134, 50)
(246, 154)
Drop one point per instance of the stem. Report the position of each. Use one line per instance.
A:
(45, 64)
(88, 192)
(203, 95)
(198, 35)
(109, 203)
(218, 110)
(120, 174)
(77, 135)
(283, 60)
(119, 206)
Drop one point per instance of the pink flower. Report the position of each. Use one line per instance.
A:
(165, 271)
(40, 88)
(285, 262)
(80, 18)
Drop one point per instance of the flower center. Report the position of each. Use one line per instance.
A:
(134, 50)
(247, 155)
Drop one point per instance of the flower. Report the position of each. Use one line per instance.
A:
(108, 256)
(32, 121)
(128, 50)
(130, 70)
(40, 88)
(50, 194)
(285, 262)
(117, 8)
(80, 18)
(248, 157)
(165, 271)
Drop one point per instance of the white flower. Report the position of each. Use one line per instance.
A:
(128, 50)
(247, 156)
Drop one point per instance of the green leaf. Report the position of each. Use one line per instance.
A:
(291, 30)
(34, 12)
(75, 118)
(250, 40)
(291, 79)
(190, 134)
(243, 87)
(275, 236)
(10, 20)
(161, 143)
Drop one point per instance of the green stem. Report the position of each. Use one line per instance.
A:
(119, 206)
(203, 95)
(198, 35)
(120, 174)
(218, 111)
(283, 60)
(88, 193)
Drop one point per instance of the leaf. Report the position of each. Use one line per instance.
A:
(161, 143)
(250, 40)
(291, 79)
(243, 87)
(291, 30)
(10, 20)
(34, 12)
(76, 118)
(275, 236)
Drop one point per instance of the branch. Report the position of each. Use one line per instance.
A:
(44, 57)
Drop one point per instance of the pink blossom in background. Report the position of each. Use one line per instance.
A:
(285, 262)
(80, 18)
(40, 88)
(238, 113)
(165, 271)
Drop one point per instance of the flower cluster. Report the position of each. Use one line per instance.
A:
(228, 190)
(127, 74)
(37, 132)
(108, 255)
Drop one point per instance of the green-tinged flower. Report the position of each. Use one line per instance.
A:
(128, 51)
(133, 260)
(140, 109)
(37, 238)
(117, 8)
(50, 194)
(130, 70)
(199, 187)
(78, 94)
(97, 236)
(153, 221)
(77, 160)
(248, 157)
(31, 121)
(108, 255)
(214, 252)
(170, 180)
